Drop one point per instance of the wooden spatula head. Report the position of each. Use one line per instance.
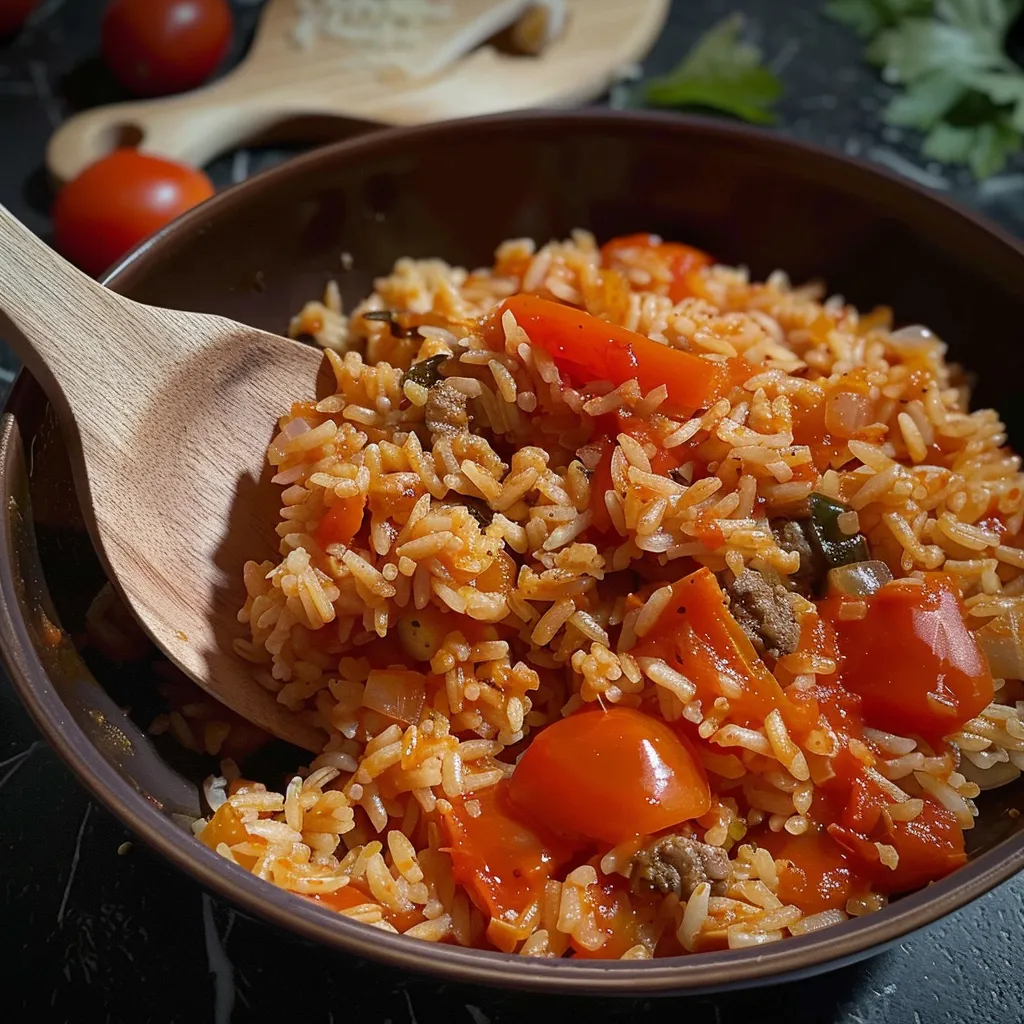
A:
(167, 416)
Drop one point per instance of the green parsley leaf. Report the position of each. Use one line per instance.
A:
(920, 46)
(868, 17)
(926, 102)
(721, 72)
(985, 148)
(959, 86)
(949, 144)
(1003, 89)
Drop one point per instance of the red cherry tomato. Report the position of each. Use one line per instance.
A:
(13, 14)
(119, 201)
(155, 47)
(609, 775)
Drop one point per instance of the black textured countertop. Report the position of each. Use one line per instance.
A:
(92, 927)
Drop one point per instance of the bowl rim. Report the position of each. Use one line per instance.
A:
(793, 957)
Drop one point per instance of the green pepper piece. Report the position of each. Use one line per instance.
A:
(427, 372)
(836, 547)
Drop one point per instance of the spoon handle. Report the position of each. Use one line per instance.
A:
(69, 331)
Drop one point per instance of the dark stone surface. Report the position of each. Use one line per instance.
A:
(94, 930)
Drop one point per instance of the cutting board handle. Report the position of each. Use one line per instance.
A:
(191, 128)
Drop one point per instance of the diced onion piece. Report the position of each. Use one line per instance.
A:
(859, 579)
(847, 412)
(292, 429)
(397, 693)
(1000, 642)
(914, 337)
(215, 789)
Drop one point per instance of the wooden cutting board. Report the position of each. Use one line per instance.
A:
(280, 82)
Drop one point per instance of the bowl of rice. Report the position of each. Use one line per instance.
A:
(653, 567)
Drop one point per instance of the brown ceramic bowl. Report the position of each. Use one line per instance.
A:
(258, 251)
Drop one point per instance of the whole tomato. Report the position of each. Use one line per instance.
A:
(155, 47)
(119, 201)
(13, 14)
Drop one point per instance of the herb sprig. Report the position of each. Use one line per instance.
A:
(722, 72)
(958, 85)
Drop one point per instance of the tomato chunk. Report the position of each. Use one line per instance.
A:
(341, 522)
(697, 634)
(589, 349)
(683, 260)
(352, 895)
(928, 848)
(609, 775)
(911, 658)
(818, 875)
(616, 916)
(502, 861)
(663, 461)
(224, 827)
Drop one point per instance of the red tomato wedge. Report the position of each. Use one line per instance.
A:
(911, 659)
(683, 260)
(609, 775)
(928, 848)
(588, 349)
(502, 861)
(613, 915)
(818, 875)
(697, 635)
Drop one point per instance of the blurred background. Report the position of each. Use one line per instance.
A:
(929, 89)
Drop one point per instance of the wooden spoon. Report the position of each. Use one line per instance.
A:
(278, 64)
(278, 84)
(167, 417)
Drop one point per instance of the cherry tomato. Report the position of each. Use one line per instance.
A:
(912, 660)
(13, 14)
(609, 775)
(501, 860)
(155, 47)
(341, 522)
(119, 201)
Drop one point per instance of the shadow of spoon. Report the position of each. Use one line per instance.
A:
(168, 416)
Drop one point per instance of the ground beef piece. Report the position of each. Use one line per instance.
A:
(446, 409)
(790, 536)
(765, 612)
(679, 864)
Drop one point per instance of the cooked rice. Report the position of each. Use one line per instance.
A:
(922, 475)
